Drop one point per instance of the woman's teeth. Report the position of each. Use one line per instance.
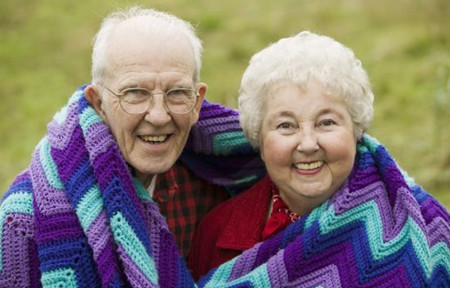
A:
(309, 166)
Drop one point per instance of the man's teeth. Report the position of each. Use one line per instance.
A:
(160, 138)
(309, 166)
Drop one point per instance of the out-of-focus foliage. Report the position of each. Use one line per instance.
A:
(404, 45)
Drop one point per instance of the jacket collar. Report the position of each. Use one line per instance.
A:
(247, 219)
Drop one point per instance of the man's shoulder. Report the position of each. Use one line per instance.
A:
(21, 187)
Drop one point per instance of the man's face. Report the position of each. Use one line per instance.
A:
(150, 142)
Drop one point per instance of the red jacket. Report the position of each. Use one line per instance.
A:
(230, 228)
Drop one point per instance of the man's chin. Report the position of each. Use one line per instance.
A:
(158, 167)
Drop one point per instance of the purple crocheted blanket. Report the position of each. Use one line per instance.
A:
(77, 218)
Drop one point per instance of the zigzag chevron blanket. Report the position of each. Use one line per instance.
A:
(77, 218)
(378, 230)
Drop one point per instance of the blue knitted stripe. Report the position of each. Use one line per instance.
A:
(71, 254)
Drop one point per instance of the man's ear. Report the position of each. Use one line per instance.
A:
(93, 97)
(201, 88)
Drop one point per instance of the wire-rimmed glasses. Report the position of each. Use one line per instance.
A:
(138, 100)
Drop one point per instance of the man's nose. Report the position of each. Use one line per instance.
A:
(158, 114)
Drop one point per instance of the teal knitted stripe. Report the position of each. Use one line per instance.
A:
(61, 115)
(19, 202)
(225, 143)
(370, 144)
(87, 118)
(140, 190)
(222, 272)
(370, 214)
(59, 278)
(246, 179)
(48, 165)
(259, 277)
(124, 235)
(440, 254)
(315, 214)
(89, 207)
(419, 241)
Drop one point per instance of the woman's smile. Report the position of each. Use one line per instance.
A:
(309, 168)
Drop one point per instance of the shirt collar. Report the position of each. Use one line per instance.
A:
(151, 187)
(167, 186)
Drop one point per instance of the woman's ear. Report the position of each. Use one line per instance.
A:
(93, 97)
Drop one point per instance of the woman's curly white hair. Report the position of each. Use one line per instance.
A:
(300, 59)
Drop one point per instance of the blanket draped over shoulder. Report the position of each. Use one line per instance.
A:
(77, 218)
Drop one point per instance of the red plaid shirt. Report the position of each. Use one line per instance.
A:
(184, 199)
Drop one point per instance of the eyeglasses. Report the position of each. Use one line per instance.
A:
(138, 100)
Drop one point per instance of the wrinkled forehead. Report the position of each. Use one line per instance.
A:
(149, 42)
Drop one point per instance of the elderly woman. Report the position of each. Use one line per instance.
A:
(305, 102)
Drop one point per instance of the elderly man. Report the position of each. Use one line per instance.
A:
(145, 72)
(82, 214)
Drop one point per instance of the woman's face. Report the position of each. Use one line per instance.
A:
(308, 144)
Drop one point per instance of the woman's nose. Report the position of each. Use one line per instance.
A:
(307, 142)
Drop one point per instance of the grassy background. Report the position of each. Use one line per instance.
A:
(45, 51)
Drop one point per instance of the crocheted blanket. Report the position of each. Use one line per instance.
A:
(77, 218)
(379, 230)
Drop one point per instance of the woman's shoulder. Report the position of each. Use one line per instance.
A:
(430, 207)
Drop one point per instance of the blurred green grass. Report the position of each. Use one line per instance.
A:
(404, 45)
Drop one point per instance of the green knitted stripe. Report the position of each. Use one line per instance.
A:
(59, 278)
(124, 235)
(89, 207)
(48, 165)
(19, 202)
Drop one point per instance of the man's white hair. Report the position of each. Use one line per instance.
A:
(156, 21)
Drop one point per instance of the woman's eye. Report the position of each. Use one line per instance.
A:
(285, 125)
(327, 122)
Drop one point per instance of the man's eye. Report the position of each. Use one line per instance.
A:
(175, 92)
(135, 95)
(181, 96)
(179, 93)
